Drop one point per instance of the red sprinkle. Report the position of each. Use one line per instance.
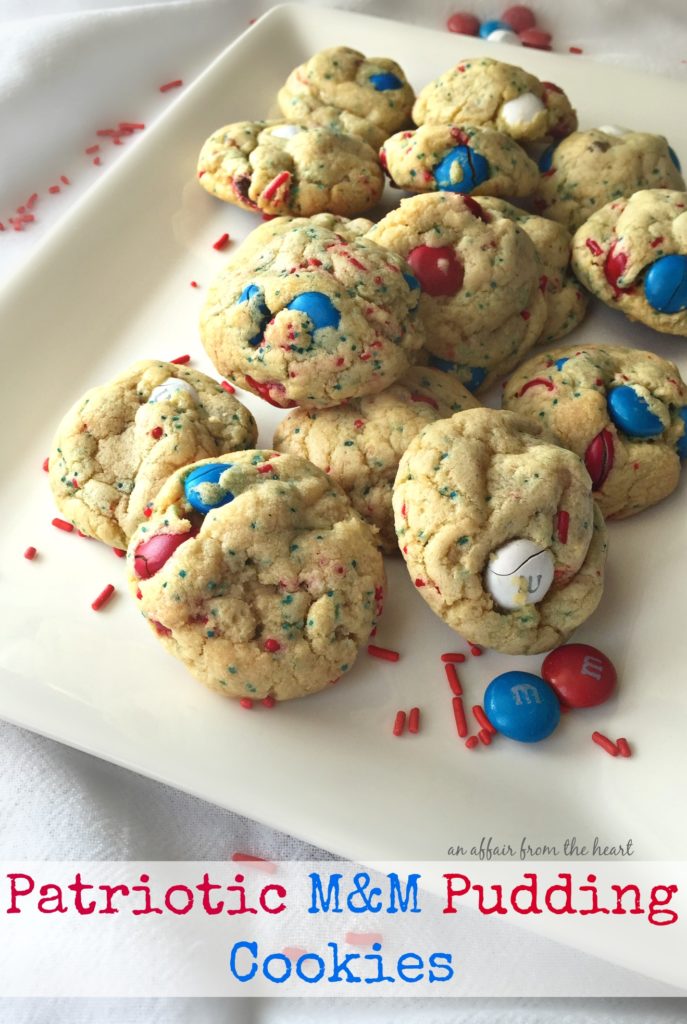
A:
(92, 149)
(536, 382)
(475, 651)
(97, 161)
(484, 737)
(562, 524)
(605, 744)
(265, 468)
(450, 656)
(54, 189)
(594, 247)
(399, 723)
(32, 200)
(246, 703)
(46, 464)
(119, 553)
(414, 720)
(134, 126)
(453, 680)
(147, 512)
(259, 862)
(362, 938)
(268, 702)
(281, 179)
(575, 49)
(181, 360)
(30, 554)
(623, 747)
(103, 597)
(382, 652)
(229, 388)
(64, 179)
(157, 433)
(471, 742)
(171, 85)
(482, 720)
(466, 24)
(62, 524)
(194, 284)
(459, 715)
(271, 646)
(221, 242)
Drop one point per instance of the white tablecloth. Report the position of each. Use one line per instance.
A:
(69, 67)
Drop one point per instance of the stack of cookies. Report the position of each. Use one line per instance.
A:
(262, 569)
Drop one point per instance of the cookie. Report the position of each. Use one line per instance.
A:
(374, 88)
(566, 302)
(632, 254)
(452, 158)
(255, 571)
(118, 444)
(499, 530)
(290, 169)
(482, 91)
(344, 121)
(479, 273)
(623, 411)
(589, 169)
(313, 319)
(359, 444)
(266, 232)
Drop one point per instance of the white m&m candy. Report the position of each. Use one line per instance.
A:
(519, 573)
(286, 131)
(522, 110)
(165, 392)
(612, 129)
(504, 35)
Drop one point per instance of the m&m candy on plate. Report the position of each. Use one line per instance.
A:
(580, 675)
(522, 706)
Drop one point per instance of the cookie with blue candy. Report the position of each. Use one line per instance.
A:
(254, 570)
(632, 254)
(586, 170)
(479, 275)
(374, 88)
(313, 318)
(457, 158)
(279, 168)
(622, 410)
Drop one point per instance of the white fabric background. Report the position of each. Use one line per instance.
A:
(67, 68)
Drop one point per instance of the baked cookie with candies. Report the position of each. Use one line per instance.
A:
(479, 273)
(623, 411)
(586, 170)
(294, 169)
(121, 440)
(345, 227)
(499, 530)
(255, 571)
(632, 254)
(314, 319)
(374, 88)
(359, 444)
(487, 92)
(566, 301)
(453, 158)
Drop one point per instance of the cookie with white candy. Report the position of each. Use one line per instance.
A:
(120, 441)
(293, 169)
(456, 158)
(589, 169)
(482, 91)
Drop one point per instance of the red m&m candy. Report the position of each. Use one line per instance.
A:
(519, 18)
(580, 675)
(437, 268)
(466, 24)
(151, 554)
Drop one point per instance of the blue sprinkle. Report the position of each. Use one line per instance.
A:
(207, 474)
(318, 307)
(473, 165)
(665, 284)
(384, 80)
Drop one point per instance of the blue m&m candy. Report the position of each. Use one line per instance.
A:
(199, 495)
(411, 281)
(318, 307)
(487, 27)
(252, 293)
(461, 170)
(546, 159)
(665, 284)
(442, 364)
(522, 706)
(560, 363)
(674, 157)
(384, 80)
(682, 443)
(477, 375)
(631, 414)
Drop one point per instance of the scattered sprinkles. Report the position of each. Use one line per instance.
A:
(382, 652)
(453, 680)
(605, 744)
(221, 242)
(171, 85)
(471, 742)
(623, 747)
(103, 597)
(399, 723)
(459, 715)
(451, 656)
(246, 703)
(30, 554)
(414, 720)
(62, 524)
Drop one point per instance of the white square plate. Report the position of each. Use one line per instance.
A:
(111, 285)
